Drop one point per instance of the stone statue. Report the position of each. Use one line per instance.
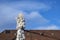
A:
(20, 27)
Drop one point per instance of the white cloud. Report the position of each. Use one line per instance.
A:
(51, 27)
(35, 16)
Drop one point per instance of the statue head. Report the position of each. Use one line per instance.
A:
(20, 15)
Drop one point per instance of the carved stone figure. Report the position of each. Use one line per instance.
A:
(20, 27)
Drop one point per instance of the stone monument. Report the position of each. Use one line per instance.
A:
(20, 27)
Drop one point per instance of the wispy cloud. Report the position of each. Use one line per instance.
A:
(35, 15)
(29, 5)
(49, 27)
(9, 11)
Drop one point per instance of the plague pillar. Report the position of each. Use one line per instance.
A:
(20, 27)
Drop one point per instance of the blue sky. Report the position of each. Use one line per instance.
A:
(39, 14)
